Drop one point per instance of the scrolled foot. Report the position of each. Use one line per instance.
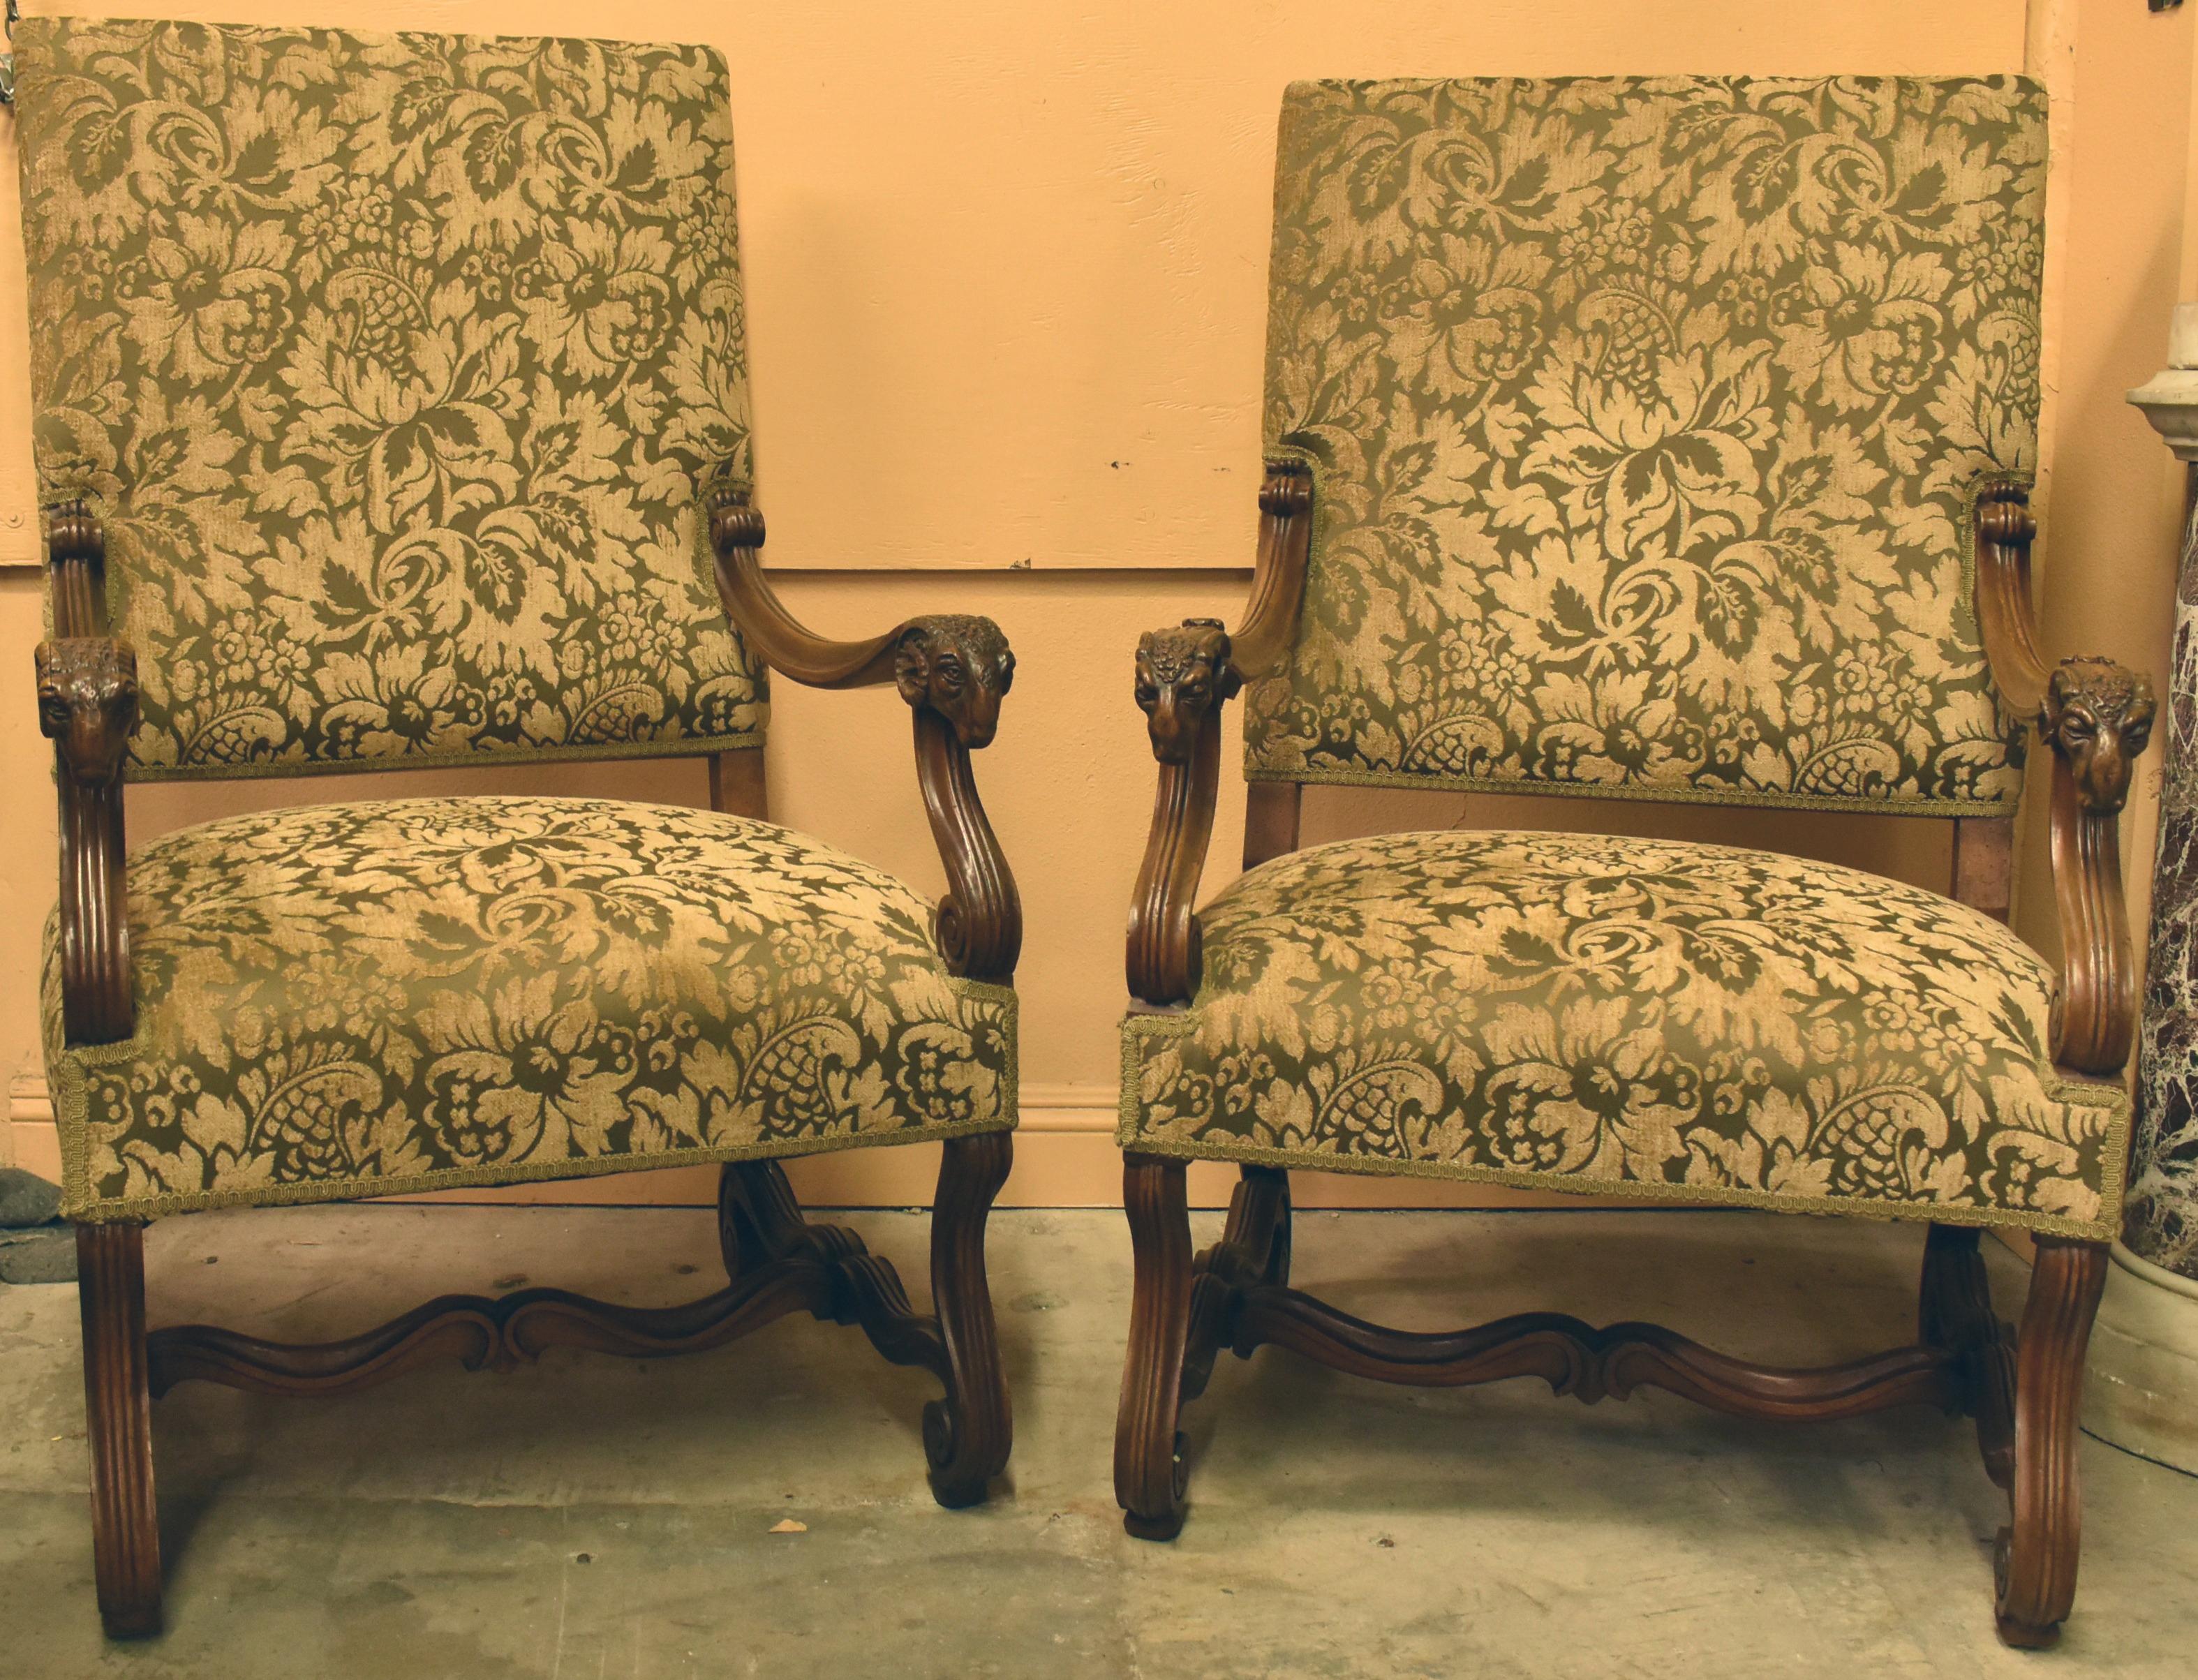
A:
(2014, 1632)
(1167, 1522)
(958, 1481)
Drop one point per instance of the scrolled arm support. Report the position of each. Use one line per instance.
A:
(1279, 579)
(2005, 528)
(774, 634)
(2096, 717)
(1186, 675)
(88, 706)
(953, 670)
(76, 559)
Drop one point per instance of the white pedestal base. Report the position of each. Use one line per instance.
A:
(2141, 1389)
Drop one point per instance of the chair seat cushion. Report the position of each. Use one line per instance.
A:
(1632, 1017)
(364, 999)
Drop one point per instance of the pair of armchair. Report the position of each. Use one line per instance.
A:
(1662, 439)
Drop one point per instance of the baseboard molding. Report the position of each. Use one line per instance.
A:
(1065, 1157)
(29, 1140)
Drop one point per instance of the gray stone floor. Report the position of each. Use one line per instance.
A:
(593, 1518)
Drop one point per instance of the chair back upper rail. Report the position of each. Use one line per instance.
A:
(392, 368)
(1648, 420)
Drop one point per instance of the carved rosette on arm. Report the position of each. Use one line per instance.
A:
(953, 670)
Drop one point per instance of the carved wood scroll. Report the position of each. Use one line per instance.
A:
(1185, 675)
(88, 707)
(2096, 717)
(953, 670)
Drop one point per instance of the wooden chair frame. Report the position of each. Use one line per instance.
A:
(952, 670)
(2023, 1388)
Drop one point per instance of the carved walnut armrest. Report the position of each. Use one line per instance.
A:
(2096, 717)
(88, 707)
(952, 668)
(1186, 675)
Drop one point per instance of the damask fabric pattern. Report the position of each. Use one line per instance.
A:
(356, 1000)
(1582, 1013)
(393, 364)
(1646, 420)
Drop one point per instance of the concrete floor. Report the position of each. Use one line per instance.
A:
(593, 1517)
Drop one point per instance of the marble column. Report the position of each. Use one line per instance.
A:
(2143, 1362)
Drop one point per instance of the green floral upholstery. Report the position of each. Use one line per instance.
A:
(1631, 1017)
(1646, 420)
(358, 1000)
(393, 364)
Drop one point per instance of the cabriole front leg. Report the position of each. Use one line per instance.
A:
(125, 1533)
(2036, 1562)
(967, 1435)
(1150, 1476)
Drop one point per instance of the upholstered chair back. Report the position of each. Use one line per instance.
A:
(392, 366)
(1647, 420)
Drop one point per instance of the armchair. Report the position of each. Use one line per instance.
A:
(1629, 442)
(390, 407)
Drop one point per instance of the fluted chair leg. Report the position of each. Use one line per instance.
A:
(2036, 1562)
(967, 1435)
(1150, 1477)
(125, 1533)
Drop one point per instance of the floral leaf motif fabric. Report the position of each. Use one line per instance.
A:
(353, 1000)
(392, 364)
(1646, 420)
(1591, 1014)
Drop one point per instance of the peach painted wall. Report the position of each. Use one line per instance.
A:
(1006, 270)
